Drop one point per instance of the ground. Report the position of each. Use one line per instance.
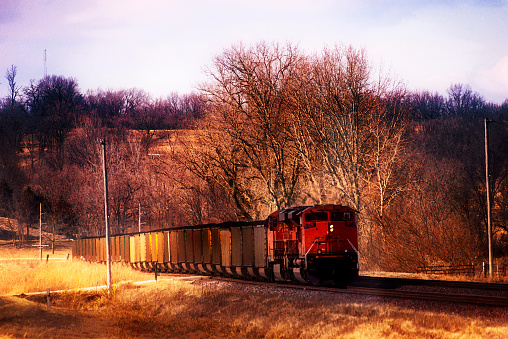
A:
(23, 318)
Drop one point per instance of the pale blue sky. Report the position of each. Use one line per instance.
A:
(163, 46)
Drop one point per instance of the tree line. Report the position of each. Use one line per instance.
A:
(270, 127)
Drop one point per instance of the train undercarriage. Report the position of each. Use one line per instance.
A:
(317, 270)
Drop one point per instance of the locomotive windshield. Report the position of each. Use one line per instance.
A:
(316, 216)
(342, 216)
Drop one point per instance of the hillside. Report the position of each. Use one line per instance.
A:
(9, 232)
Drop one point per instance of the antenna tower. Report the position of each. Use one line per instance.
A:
(45, 65)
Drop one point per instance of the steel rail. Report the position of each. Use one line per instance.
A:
(388, 293)
(397, 282)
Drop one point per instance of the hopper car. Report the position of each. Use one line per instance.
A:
(302, 244)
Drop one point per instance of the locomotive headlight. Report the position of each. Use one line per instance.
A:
(319, 251)
(330, 228)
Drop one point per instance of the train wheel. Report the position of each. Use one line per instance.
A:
(341, 277)
(314, 278)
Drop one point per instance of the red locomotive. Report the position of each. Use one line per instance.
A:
(304, 244)
(314, 243)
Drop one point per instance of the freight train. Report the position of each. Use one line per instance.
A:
(301, 244)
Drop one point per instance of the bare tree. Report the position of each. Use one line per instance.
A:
(351, 125)
(12, 132)
(279, 119)
(386, 175)
(249, 93)
(426, 105)
(55, 104)
(14, 88)
(214, 157)
(462, 101)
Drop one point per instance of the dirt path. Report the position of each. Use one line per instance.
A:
(21, 318)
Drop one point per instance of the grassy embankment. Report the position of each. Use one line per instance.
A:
(21, 271)
(183, 309)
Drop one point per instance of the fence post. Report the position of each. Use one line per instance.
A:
(48, 298)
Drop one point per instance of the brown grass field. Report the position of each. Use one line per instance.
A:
(202, 309)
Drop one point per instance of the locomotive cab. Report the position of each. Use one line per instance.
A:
(314, 243)
(330, 242)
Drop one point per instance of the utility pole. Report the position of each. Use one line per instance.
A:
(106, 212)
(40, 231)
(139, 218)
(487, 186)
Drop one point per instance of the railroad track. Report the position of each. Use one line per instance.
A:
(483, 300)
(433, 296)
(390, 283)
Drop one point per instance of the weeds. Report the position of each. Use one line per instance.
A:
(202, 310)
(180, 309)
(19, 275)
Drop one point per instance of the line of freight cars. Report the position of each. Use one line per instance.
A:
(306, 243)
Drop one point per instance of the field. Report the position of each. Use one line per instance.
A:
(204, 308)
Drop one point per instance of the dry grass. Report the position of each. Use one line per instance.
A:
(29, 252)
(181, 309)
(24, 277)
(21, 273)
(497, 277)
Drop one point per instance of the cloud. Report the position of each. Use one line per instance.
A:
(494, 80)
(161, 45)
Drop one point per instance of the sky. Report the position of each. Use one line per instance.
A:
(163, 47)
